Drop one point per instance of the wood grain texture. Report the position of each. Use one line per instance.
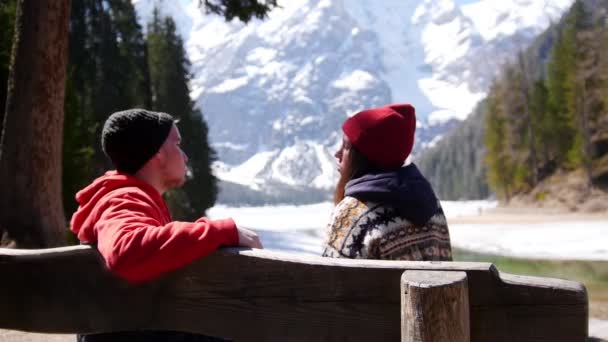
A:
(254, 295)
(434, 307)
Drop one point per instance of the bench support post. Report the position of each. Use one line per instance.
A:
(434, 307)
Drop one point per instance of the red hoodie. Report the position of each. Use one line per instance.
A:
(131, 225)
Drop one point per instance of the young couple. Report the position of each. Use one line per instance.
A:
(384, 210)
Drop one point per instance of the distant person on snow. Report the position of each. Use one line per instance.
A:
(384, 210)
(123, 214)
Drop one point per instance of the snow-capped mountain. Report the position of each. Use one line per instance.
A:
(275, 92)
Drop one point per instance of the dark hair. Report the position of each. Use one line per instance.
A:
(361, 165)
(358, 165)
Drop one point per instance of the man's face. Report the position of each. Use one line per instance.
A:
(173, 160)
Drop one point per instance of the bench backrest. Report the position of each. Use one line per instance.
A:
(256, 295)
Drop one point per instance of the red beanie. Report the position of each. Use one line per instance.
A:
(383, 135)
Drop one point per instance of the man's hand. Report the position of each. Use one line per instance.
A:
(248, 238)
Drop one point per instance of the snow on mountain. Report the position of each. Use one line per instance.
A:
(246, 173)
(467, 44)
(275, 92)
(305, 163)
(495, 18)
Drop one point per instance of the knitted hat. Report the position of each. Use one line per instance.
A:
(131, 137)
(383, 135)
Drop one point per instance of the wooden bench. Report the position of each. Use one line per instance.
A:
(256, 295)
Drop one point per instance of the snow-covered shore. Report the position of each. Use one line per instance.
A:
(551, 240)
(474, 226)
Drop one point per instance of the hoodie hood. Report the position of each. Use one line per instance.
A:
(406, 189)
(92, 200)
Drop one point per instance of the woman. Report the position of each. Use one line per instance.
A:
(384, 210)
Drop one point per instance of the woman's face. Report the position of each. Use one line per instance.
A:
(343, 154)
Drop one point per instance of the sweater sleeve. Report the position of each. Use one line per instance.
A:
(342, 221)
(138, 247)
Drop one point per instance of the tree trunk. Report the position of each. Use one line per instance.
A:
(31, 209)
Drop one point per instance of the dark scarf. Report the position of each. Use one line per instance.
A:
(405, 188)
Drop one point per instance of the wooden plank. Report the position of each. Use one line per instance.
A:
(434, 307)
(272, 297)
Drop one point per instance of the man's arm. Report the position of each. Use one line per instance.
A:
(137, 246)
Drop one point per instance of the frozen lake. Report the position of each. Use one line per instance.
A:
(301, 229)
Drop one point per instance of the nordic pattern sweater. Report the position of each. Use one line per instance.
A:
(393, 216)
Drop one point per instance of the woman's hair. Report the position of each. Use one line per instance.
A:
(356, 166)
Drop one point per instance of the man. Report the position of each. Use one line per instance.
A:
(124, 215)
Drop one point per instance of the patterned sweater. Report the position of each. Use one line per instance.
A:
(393, 216)
(375, 231)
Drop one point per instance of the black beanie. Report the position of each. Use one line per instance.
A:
(131, 137)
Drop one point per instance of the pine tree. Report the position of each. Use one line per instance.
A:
(454, 166)
(497, 159)
(562, 94)
(530, 127)
(132, 50)
(169, 78)
(515, 111)
(588, 81)
(79, 124)
(115, 71)
(107, 72)
(545, 136)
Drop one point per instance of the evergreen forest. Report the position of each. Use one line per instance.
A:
(546, 112)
